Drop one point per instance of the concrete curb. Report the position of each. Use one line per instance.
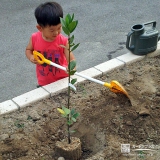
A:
(51, 89)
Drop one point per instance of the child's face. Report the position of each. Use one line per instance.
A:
(50, 32)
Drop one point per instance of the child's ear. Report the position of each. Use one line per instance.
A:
(39, 27)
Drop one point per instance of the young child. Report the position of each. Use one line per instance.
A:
(47, 41)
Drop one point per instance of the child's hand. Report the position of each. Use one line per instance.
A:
(33, 60)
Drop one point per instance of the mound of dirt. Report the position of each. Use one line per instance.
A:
(111, 126)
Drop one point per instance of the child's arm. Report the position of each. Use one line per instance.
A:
(29, 52)
(66, 52)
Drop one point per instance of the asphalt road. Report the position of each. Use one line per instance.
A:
(102, 29)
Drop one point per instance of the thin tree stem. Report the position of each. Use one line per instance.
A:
(68, 118)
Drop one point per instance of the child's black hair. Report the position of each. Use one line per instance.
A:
(48, 13)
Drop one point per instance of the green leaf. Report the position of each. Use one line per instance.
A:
(69, 18)
(73, 81)
(65, 116)
(71, 39)
(67, 21)
(73, 131)
(76, 115)
(72, 111)
(71, 45)
(18, 124)
(72, 65)
(73, 119)
(63, 22)
(66, 110)
(66, 31)
(29, 117)
(72, 73)
(72, 17)
(75, 47)
(69, 122)
(72, 26)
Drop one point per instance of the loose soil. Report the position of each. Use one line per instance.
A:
(107, 119)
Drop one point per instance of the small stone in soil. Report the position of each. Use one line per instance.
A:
(129, 123)
(61, 158)
(144, 111)
(34, 115)
(3, 137)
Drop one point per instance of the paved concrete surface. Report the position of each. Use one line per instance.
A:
(102, 29)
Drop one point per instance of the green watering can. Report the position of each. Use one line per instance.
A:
(143, 38)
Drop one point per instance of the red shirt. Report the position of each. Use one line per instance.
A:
(51, 50)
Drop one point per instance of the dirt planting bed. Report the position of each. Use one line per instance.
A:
(107, 121)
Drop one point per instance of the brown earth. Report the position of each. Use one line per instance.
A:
(107, 119)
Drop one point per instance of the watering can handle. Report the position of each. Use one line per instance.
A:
(40, 58)
(154, 23)
(128, 40)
